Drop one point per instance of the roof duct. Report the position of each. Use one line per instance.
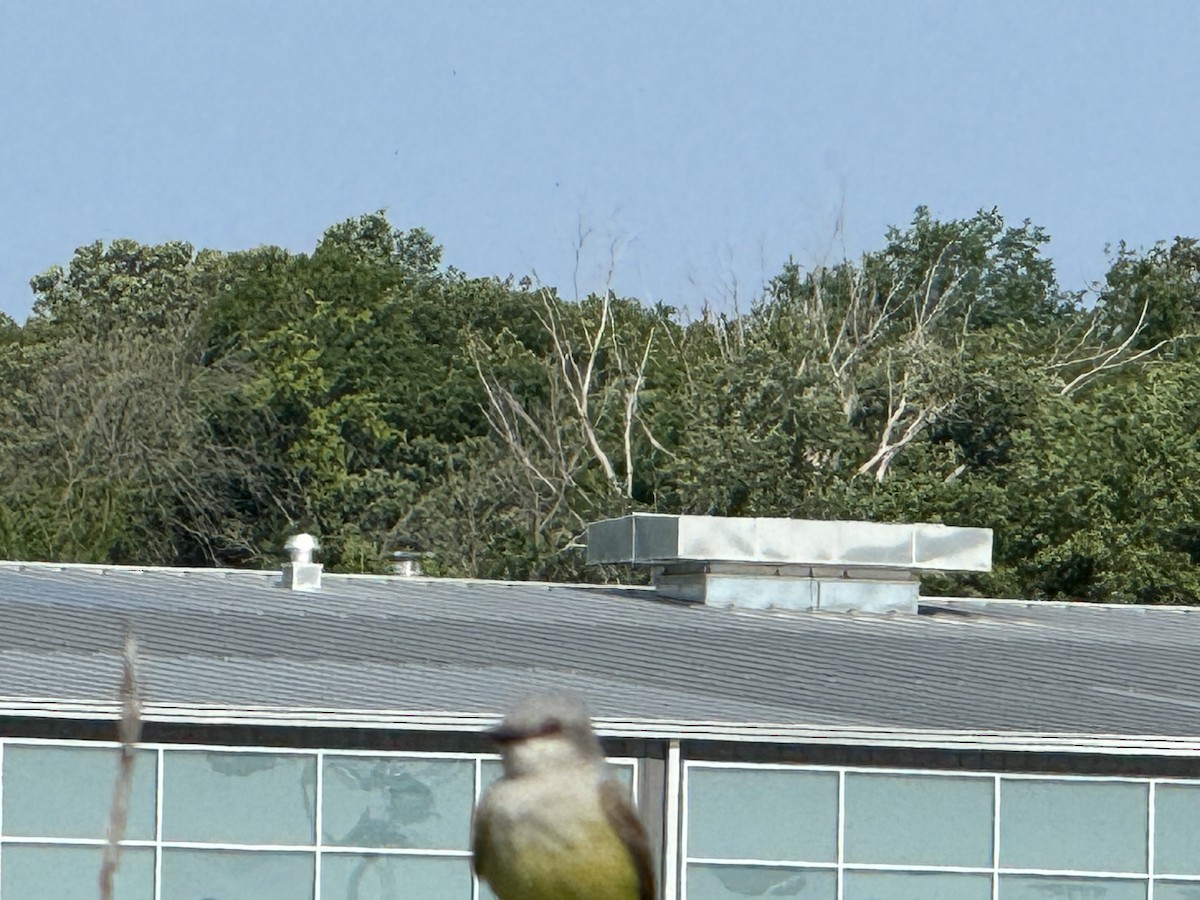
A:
(765, 563)
(301, 574)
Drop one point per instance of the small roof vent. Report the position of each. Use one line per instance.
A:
(764, 563)
(407, 563)
(302, 574)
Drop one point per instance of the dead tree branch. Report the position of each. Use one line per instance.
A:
(129, 731)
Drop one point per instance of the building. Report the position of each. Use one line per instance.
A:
(792, 719)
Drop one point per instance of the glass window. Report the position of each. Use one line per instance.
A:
(622, 772)
(918, 820)
(68, 791)
(346, 876)
(708, 882)
(36, 872)
(762, 814)
(1036, 887)
(389, 802)
(1176, 890)
(243, 798)
(1079, 825)
(489, 773)
(1177, 829)
(917, 886)
(235, 875)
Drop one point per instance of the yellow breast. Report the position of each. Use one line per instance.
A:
(593, 866)
(551, 840)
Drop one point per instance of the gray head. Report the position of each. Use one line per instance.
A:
(546, 732)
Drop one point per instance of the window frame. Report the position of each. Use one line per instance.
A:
(996, 871)
(317, 849)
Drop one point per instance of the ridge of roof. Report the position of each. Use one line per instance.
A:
(368, 577)
(373, 578)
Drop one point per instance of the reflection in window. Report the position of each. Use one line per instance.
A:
(708, 882)
(1176, 890)
(239, 798)
(917, 886)
(762, 814)
(388, 802)
(1035, 887)
(235, 875)
(347, 876)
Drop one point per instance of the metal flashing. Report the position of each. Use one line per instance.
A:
(402, 720)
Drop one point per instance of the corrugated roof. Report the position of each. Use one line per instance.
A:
(216, 643)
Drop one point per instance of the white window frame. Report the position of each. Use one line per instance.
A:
(318, 849)
(995, 870)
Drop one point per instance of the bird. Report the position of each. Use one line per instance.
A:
(556, 825)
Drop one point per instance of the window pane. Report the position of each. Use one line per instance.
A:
(388, 802)
(1033, 887)
(489, 773)
(355, 877)
(32, 872)
(734, 882)
(68, 791)
(1097, 826)
(762, 814)
(243, 798)
(917, 886)
(1176, 890)
(622, 772)
(910, 819)
(1177, 829)
(235, 875)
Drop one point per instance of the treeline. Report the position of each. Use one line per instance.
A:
(173, 407)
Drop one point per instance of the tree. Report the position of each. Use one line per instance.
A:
(1155, 294)
(167, 405)
(109, 450)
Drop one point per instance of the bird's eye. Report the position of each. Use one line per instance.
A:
(550, 726)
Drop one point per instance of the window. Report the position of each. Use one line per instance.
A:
(243, 823)
(1086, 826)
(747, 839)
(925, 820)
(878, 834)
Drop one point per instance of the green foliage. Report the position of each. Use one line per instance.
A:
(1159, 289)
(168, 406)
(124, 285)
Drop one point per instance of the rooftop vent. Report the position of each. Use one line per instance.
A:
(407, 563)
(302, 574)
(788, 563)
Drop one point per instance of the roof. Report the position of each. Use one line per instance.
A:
(229, 646)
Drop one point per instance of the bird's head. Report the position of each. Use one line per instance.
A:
(547, 732)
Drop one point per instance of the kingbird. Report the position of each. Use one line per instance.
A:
(556, 825)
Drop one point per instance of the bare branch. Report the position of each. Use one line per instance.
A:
(129, 731)
(1105, 359)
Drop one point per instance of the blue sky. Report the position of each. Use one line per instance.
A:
(706, 141)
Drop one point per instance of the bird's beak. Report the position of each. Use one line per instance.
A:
(504, 734)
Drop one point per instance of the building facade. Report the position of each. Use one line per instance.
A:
(780, 738)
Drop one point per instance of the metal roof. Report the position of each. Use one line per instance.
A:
(220, 645)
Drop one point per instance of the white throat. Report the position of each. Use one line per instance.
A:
(543, 755)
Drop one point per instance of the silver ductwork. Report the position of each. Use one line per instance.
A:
(765, 563)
